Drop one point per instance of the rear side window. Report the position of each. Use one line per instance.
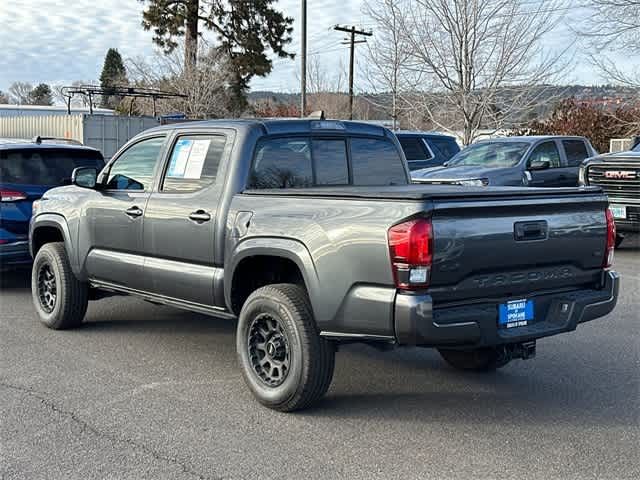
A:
(194, 163)
(376, 162)
(45, 166)
(547, 151)
(282, 163)
(448, 147)
(576, 152)
(414, 148)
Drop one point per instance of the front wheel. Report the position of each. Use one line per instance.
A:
(478, 359)
(285, 363)
(59, 297)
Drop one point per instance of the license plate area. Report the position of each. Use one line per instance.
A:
(516, 313)
(619, 211)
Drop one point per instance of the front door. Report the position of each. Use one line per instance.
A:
(115, 215)
(179, 221)
(549, 177)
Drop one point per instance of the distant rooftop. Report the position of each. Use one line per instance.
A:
(9, 110)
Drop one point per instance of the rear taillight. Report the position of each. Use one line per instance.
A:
(11, 195)
(611, 240)
(411, 249)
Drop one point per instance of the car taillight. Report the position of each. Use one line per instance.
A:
(411, 250)
(611, 240)
(11, 195)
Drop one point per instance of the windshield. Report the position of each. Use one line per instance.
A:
(636, 148)
(44, 166)
(490, 154)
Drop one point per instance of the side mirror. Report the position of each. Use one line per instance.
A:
(539, 165)
(85, 177)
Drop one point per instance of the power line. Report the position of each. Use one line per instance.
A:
(352, 31)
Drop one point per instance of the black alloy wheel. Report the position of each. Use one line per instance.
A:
(268, 348)
(47, 288)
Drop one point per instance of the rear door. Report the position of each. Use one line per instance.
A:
(554, 176)
(180, 219)
(575, 152)
(114, 215)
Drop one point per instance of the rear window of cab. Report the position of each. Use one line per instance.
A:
(303, 162)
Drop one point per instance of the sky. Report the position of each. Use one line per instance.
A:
(60, 41)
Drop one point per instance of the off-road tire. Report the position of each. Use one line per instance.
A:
(311, 358)
(477, 360)
(71, 300)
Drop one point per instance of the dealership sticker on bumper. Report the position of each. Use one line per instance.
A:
(516, 313)
(619, 211)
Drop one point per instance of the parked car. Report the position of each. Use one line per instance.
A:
(535, 161)
(28, 168)
(618, 174)
(426, 149)
(310, 234)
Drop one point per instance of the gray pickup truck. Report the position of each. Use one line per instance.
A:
(309, 233)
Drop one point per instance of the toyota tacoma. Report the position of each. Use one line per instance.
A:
(309, 233)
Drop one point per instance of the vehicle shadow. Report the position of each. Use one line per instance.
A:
(415, 385)
(15, 279)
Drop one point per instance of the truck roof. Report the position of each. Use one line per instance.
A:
(282, 126)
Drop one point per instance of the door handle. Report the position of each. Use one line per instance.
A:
(200, 216)
(133, 212)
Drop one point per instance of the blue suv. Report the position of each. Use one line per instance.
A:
(27, 170)
(426, 149)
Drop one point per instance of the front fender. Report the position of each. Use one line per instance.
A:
(275, 247)
(58, 222)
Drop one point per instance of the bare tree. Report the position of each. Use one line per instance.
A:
(388, 55)
(206, 85)
(20, 93)
(326, 91)
(480, 63)
(614, 27)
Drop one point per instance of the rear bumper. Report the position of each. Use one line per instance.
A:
(417, 322)
(14, 254)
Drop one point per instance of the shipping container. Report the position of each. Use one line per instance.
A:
(107, 133)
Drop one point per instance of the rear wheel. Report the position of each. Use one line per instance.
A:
(285, 363)
(478, 360)
(59, 297)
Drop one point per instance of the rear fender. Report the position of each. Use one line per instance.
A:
(275, 247)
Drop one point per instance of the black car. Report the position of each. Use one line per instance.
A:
(426, 149)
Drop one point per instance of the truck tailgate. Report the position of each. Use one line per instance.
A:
(494, 249)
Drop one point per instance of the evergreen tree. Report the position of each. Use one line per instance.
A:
(113, 74)
(41, 95)
(245, 30)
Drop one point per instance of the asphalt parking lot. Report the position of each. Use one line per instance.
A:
(149, 392)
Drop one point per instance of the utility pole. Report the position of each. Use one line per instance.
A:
(303, 62)
(353, 31)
